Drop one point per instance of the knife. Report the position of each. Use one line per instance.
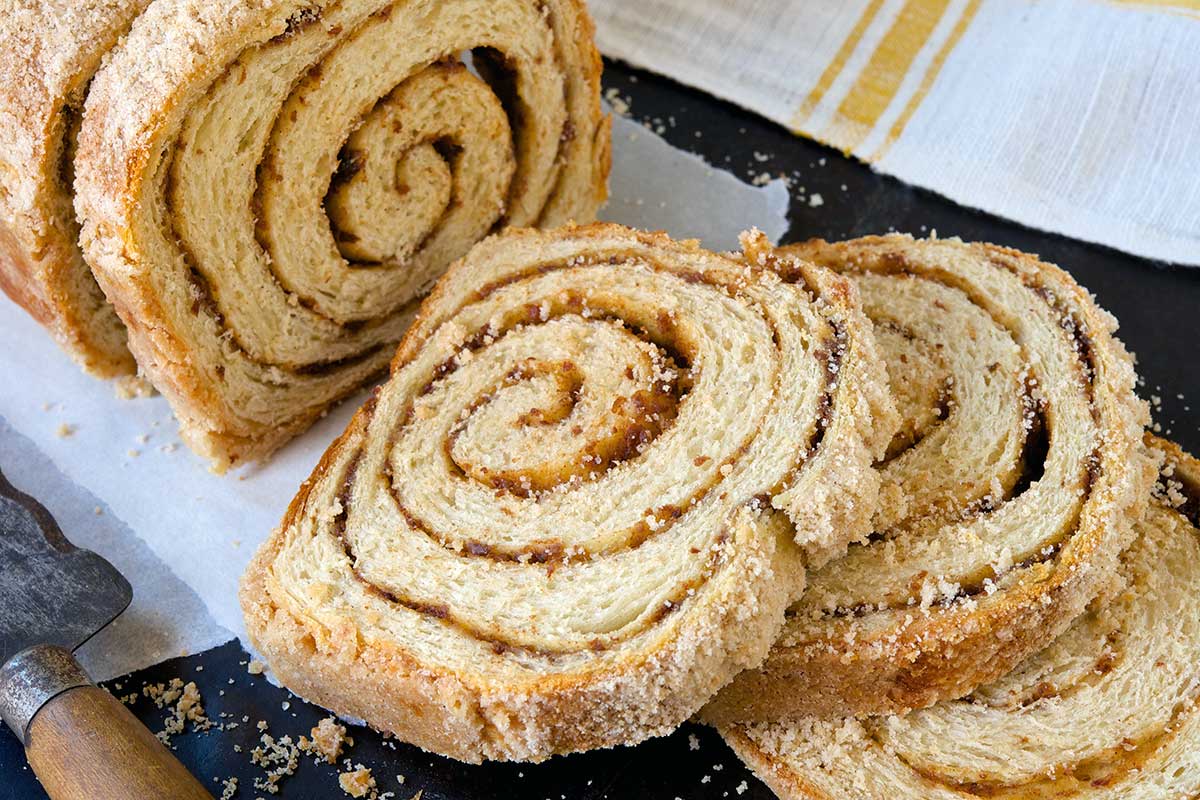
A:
(81, 741)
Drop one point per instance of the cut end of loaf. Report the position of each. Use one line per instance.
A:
(266, 190)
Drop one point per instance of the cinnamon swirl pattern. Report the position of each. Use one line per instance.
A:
(266, 187)
(1108, 711)
(49, 52)
(1010, 488)
(584, 498)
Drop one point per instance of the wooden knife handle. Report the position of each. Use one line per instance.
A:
(80, 740)
(84, 744)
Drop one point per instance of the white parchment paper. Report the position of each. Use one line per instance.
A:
(183, 535)
(165, 619)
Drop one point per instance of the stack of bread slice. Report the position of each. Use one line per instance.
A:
(881, 511)
(1107, 710)
(583, 501)
(1048, 643)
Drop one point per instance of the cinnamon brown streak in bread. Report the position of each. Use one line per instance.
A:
(1107, 712)
(1007, 494)
(265, 188)
(584, 498)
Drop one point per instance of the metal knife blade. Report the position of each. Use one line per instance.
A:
(51, 592)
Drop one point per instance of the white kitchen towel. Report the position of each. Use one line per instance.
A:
(1075, 116)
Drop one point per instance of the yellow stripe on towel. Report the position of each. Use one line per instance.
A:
(927, 80)
(1188, 8)
(879, 81)
(836, 66)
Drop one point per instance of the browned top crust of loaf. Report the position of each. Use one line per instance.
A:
(942, 634)
(672, 374)
(49, 51)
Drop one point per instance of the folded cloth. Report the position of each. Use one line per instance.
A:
(1077, 116)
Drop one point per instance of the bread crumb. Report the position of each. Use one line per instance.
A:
(619, 104)
(328, 738)
(184, 703)
(64, 430)
(229, 788)
(278, 758)
(357, 783)
(255, 667)
(132, 386)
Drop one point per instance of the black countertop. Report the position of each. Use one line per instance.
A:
(1157, 306)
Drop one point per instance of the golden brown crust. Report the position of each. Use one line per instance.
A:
(786, 783)
(656, 365)
(255, 304)
(49, 52)
(848, 657)
(390, 692)
(926, 663)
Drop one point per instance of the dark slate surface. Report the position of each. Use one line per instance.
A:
(1157, 305)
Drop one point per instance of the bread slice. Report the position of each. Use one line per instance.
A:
(49, 51)
(566, 520)
(1109, 710)
(265, 188)
(1008, 493)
